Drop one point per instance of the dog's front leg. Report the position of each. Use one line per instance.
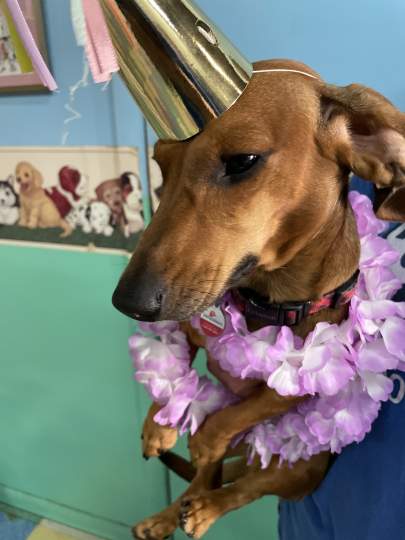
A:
(163, 524)
(199, 510)
(156, 439)
(213, 438)
(23, 222)
(33, 219)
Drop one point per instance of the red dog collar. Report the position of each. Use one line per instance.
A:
(256, 307)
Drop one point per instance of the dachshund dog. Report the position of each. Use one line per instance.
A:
(37, 208)
(258, 200)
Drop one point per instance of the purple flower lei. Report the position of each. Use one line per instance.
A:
(342, 366)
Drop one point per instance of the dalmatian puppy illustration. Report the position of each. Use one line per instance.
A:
(95, 217)
(9, 203)
(77, 217)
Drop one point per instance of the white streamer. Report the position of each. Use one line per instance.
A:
(75, 115)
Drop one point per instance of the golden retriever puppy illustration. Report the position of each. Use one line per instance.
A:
(37, 209)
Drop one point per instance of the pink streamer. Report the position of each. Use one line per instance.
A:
(30, 46)
(99, 48)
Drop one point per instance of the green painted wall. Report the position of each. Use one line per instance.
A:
(70, 413)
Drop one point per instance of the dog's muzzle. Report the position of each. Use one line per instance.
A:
(140, 296)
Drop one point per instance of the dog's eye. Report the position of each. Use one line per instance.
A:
(239, 163)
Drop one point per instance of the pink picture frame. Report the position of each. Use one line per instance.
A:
(21, 82)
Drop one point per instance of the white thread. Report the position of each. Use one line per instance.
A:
(76, 115)
(286, 71)
(106, 85)
(401, 391)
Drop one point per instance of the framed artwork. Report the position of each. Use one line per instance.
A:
(16, 71)
(71, 197)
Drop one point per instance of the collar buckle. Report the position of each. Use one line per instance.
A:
(292, 313)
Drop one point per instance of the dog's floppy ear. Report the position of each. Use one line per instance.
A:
(37, 177)
(390, 204)
(365, 133)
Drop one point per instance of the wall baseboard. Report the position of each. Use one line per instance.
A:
(73, 517)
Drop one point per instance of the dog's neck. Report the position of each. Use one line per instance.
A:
(325, 263)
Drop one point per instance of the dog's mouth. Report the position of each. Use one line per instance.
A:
(24, 186)
(145, 296)
(191, 305)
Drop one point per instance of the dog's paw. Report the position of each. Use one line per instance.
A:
(158, 527)
(207, 446)
(156, 439)
(198, 513)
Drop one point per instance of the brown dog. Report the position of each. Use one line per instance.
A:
(111, 193)
(37, 209)
(258, 199)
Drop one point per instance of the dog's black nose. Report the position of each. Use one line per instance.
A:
(140, 297)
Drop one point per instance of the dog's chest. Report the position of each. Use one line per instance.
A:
(240, 387)
(212, 324)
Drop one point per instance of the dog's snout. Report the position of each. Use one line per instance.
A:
(140, 296)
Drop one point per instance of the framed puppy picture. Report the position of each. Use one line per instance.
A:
(16, 71)
(71, 197)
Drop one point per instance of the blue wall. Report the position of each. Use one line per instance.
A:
(346, 40)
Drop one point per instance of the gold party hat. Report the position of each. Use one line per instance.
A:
(180, 68)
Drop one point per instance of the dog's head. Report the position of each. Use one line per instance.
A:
(110, 192)
(8, 196)
(28, 178)
(257, 185)
(131, 186)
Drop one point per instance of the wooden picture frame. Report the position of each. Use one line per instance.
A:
(16, 71)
